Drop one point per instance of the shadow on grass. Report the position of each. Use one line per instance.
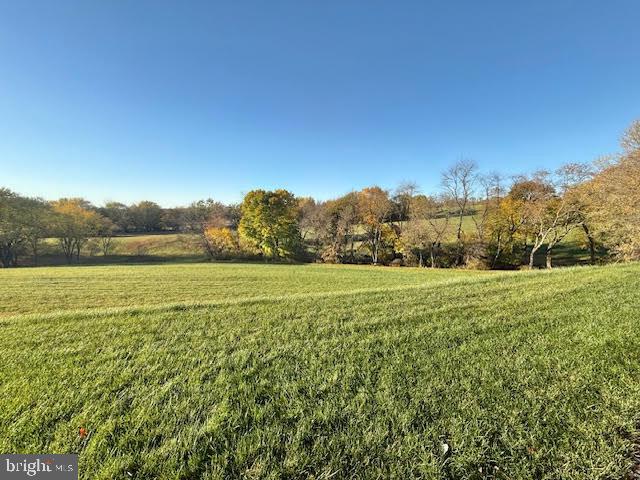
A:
(86, 261)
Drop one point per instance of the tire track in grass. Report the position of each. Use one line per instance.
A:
(183, 306)
(507, 277)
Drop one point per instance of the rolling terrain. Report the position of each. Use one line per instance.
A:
(276, 371)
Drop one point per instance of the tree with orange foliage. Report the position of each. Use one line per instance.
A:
(614, 194)
(374, 208)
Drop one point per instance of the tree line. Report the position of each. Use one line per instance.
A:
(474, 220)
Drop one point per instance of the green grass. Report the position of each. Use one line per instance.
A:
(48, 289)
(165, 245)
(323, 372)
(135, 248)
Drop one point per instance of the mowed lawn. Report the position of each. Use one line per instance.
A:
(50, 289)
(263, 371)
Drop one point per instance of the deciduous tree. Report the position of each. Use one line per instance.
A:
(146, 216)
(426, 229)
(106, 230)
(615, 213)
(220, 242)
(203, 215)
(118, 213)
(403, 199)
(74, 223)
(12, 235)
(505, 230)
(459, 182)
(374, 209)
(270, 222)
(37, 220)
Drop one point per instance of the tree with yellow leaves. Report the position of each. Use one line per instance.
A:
(220, 242)
(73, 223)
(614, 195)
(270, 222)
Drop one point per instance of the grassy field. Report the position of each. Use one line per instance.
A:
(48, 289)
(135, 248)
(266, 371)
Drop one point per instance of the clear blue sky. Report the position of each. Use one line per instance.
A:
(175, 101)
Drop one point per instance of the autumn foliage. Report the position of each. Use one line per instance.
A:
(474, 220)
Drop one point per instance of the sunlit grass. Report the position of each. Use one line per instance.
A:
(323, 372)
(49, 289)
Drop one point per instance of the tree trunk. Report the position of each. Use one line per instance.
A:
(460, 255)
(374, 250)
(534, 249)
(6, 256)
(525, 248)
(106, 245)
(498, 252)
(420, 263)
(549, 257)
(67, 249)
(592, 244)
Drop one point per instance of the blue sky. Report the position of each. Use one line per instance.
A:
(175, 101)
